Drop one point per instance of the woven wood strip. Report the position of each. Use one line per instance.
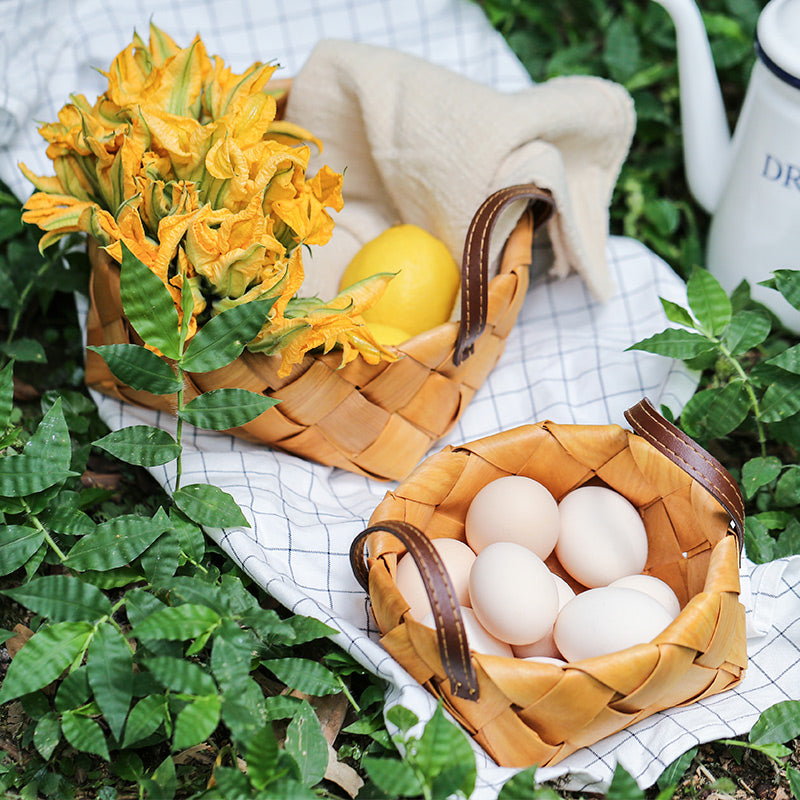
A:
(373, 420)
(536, 713)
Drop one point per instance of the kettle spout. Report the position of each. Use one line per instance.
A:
(706, 136)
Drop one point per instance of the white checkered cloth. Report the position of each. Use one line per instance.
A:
(565, 360)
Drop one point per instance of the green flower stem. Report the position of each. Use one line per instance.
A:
(748, 386)
(179, 433)
(47, 537)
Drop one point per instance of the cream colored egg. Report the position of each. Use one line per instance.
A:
(513, 593)
(655, 587)
(556, 662)
(513, 509)
(458, 559)
(602, 536)
(478, 638)
(546, 646)
(607, 619)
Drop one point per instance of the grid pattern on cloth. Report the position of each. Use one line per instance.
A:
(565, 359)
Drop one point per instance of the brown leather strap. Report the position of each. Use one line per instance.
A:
(692, 458)
(475, 261)
(450, 632)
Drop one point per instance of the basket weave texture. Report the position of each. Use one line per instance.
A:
(373, 420)
(525, 713)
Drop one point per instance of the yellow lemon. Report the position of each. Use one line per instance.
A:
(422, 293)
(387, 334)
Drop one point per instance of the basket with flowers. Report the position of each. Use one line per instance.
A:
(191, 170)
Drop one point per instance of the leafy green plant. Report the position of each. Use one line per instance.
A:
(750, 389)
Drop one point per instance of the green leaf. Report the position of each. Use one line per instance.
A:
(621, 53)
(623, 786)
(6, 394)
(262, 757)
(788, 359)
(758, 472)
(149, 306)
(161, 560)
(307, 745)
(45, 460)
(17, 544)
(522, 786)
(109, 665)
(163, 783)
(83, 733)
(677, 769)
(304, 675)
(787, 490)
(778, 724)
(73, 691)
(747, 329)
(139, 368)
(760, 546)
(793, 777)
(781, 400)
(62, 598)
(145, 718)
(708, 301)
(115, 543)
(713, 413)
(179, 623)
(225, 335)
(197, 721)
(190, 535)
(677, 314)
(404, 718)
(141, 445)
(232, 654)
(663, 214)
(44, 657)
(26, 350)
(64, 519)
(787, 282)
(210, 506)
(47, 735)
(221, 409)
(244, 711)
(307, 629)
(183, 676)
(675, 343)
(444, 744)
(394, 777)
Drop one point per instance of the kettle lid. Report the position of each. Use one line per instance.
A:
(777, 37)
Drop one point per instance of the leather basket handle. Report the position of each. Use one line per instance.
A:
(693, 459)
(453, 648)
(450, 633)
(475, 260)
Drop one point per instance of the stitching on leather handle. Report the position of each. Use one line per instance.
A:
(716, 480)
(482, 224)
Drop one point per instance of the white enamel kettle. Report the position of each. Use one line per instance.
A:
(751, 183)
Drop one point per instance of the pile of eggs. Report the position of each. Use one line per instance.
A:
(514, 606)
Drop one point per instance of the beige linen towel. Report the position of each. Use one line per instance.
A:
(421, 144)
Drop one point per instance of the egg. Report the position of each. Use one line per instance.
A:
(655, 587)
(602, 536)
(607, 619)
(556, 662)
(478, 638)
(513, 593)
(513, 509)
(546, 646)
(457, 558)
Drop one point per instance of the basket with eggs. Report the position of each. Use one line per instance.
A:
(553, 584)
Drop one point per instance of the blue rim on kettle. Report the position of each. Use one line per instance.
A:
(776, 70)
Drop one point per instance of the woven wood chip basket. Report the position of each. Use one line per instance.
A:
(373, 420)
(526, 713)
